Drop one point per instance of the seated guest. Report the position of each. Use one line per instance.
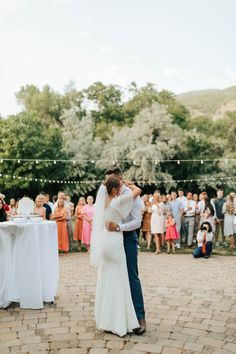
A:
(59, 215)
(204, 240)
(38, 207)
(3, 214)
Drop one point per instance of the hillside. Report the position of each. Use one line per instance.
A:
(213, 103)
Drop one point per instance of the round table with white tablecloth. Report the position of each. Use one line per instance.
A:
(29, 269)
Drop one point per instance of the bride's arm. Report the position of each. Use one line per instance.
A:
(136, 191)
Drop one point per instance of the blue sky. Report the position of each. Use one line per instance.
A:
(179, 45)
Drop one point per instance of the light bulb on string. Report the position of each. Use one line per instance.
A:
(178, 162)
(18, 161)
(1, 160)
(36, 162)
(202, 162)
(54, 162)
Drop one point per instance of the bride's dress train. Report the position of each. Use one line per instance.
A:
(114, 310)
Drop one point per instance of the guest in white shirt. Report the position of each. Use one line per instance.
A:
(189, 217)
(181, 196)
(204, 239)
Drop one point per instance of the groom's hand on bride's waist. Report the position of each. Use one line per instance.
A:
(112, 226)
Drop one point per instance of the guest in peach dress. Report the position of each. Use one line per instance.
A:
(38, 208)
(59, 215)
(79, 221)
(87, 214)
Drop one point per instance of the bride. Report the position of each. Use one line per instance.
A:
(114, 310)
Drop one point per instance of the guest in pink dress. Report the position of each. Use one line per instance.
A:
(171, 232)
(87, 215)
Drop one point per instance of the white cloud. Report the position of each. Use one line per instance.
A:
(106, 49)
(230, 73)
(170, 72)
(12, 6)
(83, 34)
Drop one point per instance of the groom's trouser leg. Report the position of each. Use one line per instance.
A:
(131, 251)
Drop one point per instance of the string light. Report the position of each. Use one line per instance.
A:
(144, 182)
(178, 161)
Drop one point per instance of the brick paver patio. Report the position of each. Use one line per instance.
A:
(190, 306)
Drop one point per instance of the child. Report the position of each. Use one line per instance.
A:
(204, 239)
(171, 232)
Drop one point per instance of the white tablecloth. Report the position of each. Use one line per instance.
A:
(28, 263)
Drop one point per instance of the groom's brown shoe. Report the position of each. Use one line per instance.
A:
(142, 329)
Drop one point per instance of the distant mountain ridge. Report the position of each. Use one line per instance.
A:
(212, 103)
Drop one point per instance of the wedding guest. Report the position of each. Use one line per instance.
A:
(219, 202)
(204, 239)
(5, 205)
(62, 196)
(54, 200)
(207, 212)
(59, 215)
(181, 196)
(176, 206)
(79, 221)
(146, 223)
(150, 198)
(189, 217)
(38, 207)
(12, 207)
(47, 207)
(171, 232)
(70, 211)
(168, 200)
(157, 221)
(197, 216)
(229, 212)
(3, 214)
(87, 215)
(166, 209)
(47, 201)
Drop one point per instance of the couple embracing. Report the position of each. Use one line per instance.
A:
(119, 306)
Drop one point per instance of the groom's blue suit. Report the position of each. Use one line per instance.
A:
(128, 228)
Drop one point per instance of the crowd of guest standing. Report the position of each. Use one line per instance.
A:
(61, 210)
(185, 219)
(171, 221)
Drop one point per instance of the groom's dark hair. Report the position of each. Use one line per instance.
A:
(114, 170)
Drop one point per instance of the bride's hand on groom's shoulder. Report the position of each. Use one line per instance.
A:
(128, 183)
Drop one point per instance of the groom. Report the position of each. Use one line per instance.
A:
(128, 227)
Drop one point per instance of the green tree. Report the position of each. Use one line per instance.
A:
(151, 138)
(24, 136)
(81, 144)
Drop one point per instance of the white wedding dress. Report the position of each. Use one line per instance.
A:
(114, 310)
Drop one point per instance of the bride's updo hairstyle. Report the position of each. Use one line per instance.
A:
(112, 182)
